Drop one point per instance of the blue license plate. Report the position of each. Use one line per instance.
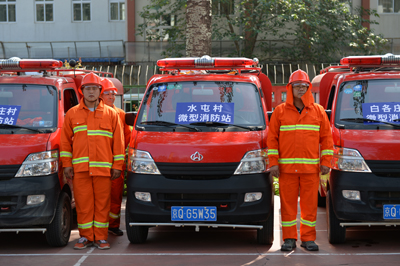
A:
(391, 211)
(189, 213)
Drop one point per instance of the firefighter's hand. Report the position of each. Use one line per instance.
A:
(69, 172)
(324, 169)
(274, 171)
(115, 173)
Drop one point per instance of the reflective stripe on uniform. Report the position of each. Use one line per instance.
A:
(100, 164)
(299, 127)
(272, 152)
(80, 160)
(289, 223)
(79, 128)
(65, 154)
(298, 161)
(100, 225)
(100, 133)
(326, 152)
(308, 223)
(120, 157)
(86, 225)
(115, 216)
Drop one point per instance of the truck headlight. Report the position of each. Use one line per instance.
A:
(253, 162)
(38, 164)
(141, 162)
(345, 159)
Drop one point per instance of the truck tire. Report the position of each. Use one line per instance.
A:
(336, 233)
(265, 236)
(321, 201)
(136, 234)
(59, 230)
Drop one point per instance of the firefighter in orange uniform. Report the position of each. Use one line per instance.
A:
(117, 185)
(300, 146)
(92, 154)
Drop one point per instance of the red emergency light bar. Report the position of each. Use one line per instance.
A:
(30, 64)
(206, 62)
(371, 61)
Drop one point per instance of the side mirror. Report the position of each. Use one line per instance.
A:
(269, 113)
(130, 118)
(328, 113)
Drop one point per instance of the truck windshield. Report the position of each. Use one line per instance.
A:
(203, 105)
(369, 103)
(27, 106)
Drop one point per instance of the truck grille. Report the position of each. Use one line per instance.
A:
(378, 198)
(197, 171)
(8, 171)
(223, 201)
(385, 168)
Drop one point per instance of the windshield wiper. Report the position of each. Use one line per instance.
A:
(219, 124)
(362, 120)
(165, 123)
(27, 128)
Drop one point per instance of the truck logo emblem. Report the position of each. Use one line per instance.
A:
(196, 156)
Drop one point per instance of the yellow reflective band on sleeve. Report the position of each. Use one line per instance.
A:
(100, 225)
(99, 133)
(86, 225)
(326, 152)
(308, 223)
(298, 161)
(65, 154)
(100, 164)
(299, 127)
(80, 160)
(119, 157)
(289, 223)
(79, 128)
(272, 152)
(115, 216)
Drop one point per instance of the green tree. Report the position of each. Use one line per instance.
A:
(284, 30)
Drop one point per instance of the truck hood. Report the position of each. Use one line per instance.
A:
(213, 147)
(373, 144)
(15, 148)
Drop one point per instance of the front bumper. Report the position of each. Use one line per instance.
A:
(226, 194)
(375, 191)
(15, 213)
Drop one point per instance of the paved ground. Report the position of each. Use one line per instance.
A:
(183, 246)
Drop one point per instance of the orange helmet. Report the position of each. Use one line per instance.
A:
(108, 85)
(91, 79)
(299, 76)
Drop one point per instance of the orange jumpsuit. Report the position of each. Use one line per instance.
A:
(299, 144)
(92, 143)
(117, 185)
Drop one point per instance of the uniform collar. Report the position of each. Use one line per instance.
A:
(100, 107)
(307, 98)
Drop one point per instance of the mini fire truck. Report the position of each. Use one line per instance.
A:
(34, 194)
(362, 96)
(198, 154)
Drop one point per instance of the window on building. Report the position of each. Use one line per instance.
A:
(388, 6)
(223, 7)
(155, 30)
(7, 11)
(117, 10)
(81, 10)
(44, 10)
(283, 96)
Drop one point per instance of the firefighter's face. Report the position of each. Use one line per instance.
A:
(91, 93)
(299, 89)
(109, 97)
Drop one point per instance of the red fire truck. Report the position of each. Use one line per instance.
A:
(198, 150)
(34, 194)
(362, 96)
